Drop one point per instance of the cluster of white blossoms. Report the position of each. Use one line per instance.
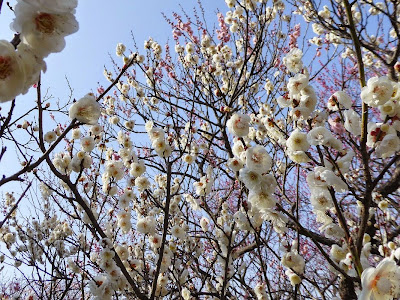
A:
(51, 232)
(82, 159)
(160, 143)
(293, 61)
(254, 165)
(42, 26)
(319, 182)
(104, 285)
(294, 263)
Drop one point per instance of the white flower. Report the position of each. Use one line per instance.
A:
(321, 199)
(120, 49)
(319, 136)
(352, 122)
(388, 146)
(114, 169)
(250, 178)
(146, 225)
(262, 200)
(238, 124)
(377, 92)
(43, 24)
(130, 124)
(76, 134)
(332, 231)
(167, 151)
(339, 97)
(50, 137)
(297, 141)
(203, 187)
(338, 253)
(159, 145)
(178, 232)
(293, 277)
(142, 183)
(204, 222)
(292, 60)
(137, 168)
(390, 108)
(185, 293)
(376, 133)
(258, 159)
(298, 157)
(235, 164)
(62, 161)
(296, 84)
(382, 282)
(238, 148)
(33, 65)
(277, 219)
(284, 101)
(12, 72)
(308, 102)
(189, 159)
(88, 143)
(85, 110)
(155, 133)
(81, 160)
(294, 261)
(96, 129)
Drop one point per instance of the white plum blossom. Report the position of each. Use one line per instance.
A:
(114, 169)
(294, 261)
(203, 187)
(377, 92)
(85, 110)
(284, 101)
(262, 200)
(238, 124)
(32, 63)
(382, 282)
(296, 84)
(204, 222)
(146, 225)
(322, 177)
(388, 146)
(62, 161)
(321, 199)
(43, 24)
(120, 49)
(87, 143)
(142, 183)
(50, 137)
(352, 122)
(12, 72)
(319, 136)
(251, 179)
(297, 141)
(292, 60)
(235, 164)
(137, 168)
(332, 230)
(81, 160)
(298, 156)
(341, 98)
(258, 159)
